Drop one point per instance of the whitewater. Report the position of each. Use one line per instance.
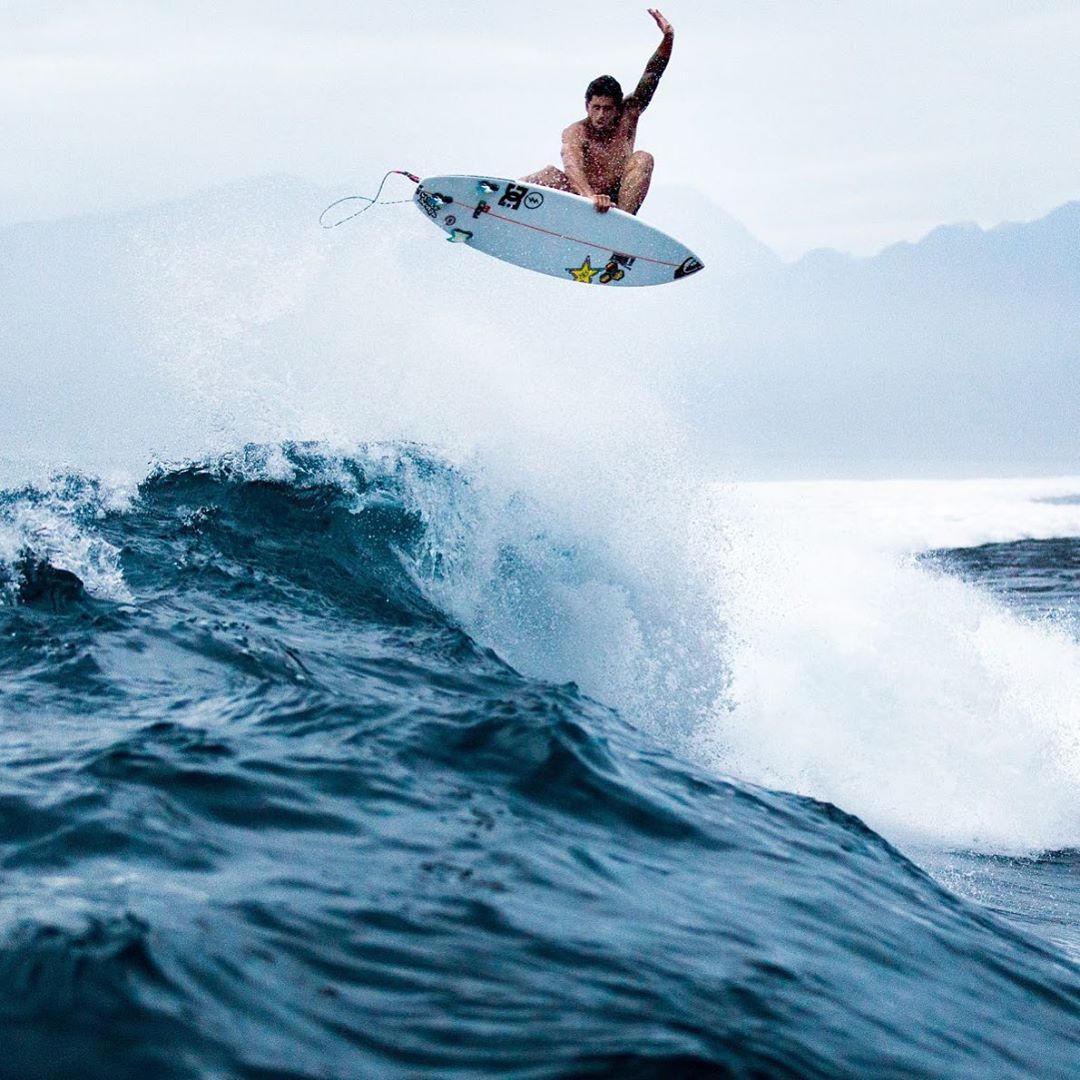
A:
(396, 680)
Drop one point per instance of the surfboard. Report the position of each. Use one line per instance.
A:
(552, 232)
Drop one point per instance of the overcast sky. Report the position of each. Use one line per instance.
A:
(842, 123)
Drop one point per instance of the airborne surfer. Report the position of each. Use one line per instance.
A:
(598, 155)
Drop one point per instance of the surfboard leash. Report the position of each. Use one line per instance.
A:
(371, 201)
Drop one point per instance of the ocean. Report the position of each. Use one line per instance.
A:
(386, 692)
(273, 806)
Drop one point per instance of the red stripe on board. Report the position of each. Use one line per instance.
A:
(563, 236)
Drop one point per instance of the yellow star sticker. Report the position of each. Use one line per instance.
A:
(584, 272)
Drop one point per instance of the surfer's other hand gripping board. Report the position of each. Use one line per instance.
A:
(552, 232)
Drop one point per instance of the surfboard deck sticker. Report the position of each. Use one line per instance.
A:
(552, 232)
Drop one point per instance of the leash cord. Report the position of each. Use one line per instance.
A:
(371, 201)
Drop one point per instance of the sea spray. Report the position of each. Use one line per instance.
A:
(866, 678)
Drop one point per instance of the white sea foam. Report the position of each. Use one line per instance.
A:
(922, 515)
(910, 698)
(44, 525)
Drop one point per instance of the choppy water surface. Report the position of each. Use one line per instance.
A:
(267, 809)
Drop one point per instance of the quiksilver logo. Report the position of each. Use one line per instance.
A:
(689, 266)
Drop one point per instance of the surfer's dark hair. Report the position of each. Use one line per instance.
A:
(604, 86)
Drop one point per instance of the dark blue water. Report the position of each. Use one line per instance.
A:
(1032, 576)
(266, 810)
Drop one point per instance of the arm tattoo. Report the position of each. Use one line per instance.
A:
(646, 87)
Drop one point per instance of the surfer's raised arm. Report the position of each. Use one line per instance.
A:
(658, 62)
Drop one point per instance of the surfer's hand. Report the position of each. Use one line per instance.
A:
(602, 203)
(665, 27)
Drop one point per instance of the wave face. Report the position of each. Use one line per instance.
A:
(271, 807)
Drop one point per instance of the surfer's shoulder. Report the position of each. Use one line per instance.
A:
(573, 137)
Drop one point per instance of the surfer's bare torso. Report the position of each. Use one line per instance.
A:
(600, 154)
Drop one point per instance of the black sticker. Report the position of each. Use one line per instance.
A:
(428, 203)
(534, 200)
(612, 272)
(623, 260)
(450, 219)
(482, 208)
(513, 195)
(689, 266)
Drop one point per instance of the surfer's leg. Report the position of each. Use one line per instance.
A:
(635, 181)
(549, 177)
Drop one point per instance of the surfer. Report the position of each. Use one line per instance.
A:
(598, 155)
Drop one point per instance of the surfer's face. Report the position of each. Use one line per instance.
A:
(603, 113)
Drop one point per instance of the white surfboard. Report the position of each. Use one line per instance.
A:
(552, 231)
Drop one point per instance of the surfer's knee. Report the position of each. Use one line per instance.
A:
(550, 176)
(636, 181)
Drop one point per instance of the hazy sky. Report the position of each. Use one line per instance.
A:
(846, 123)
